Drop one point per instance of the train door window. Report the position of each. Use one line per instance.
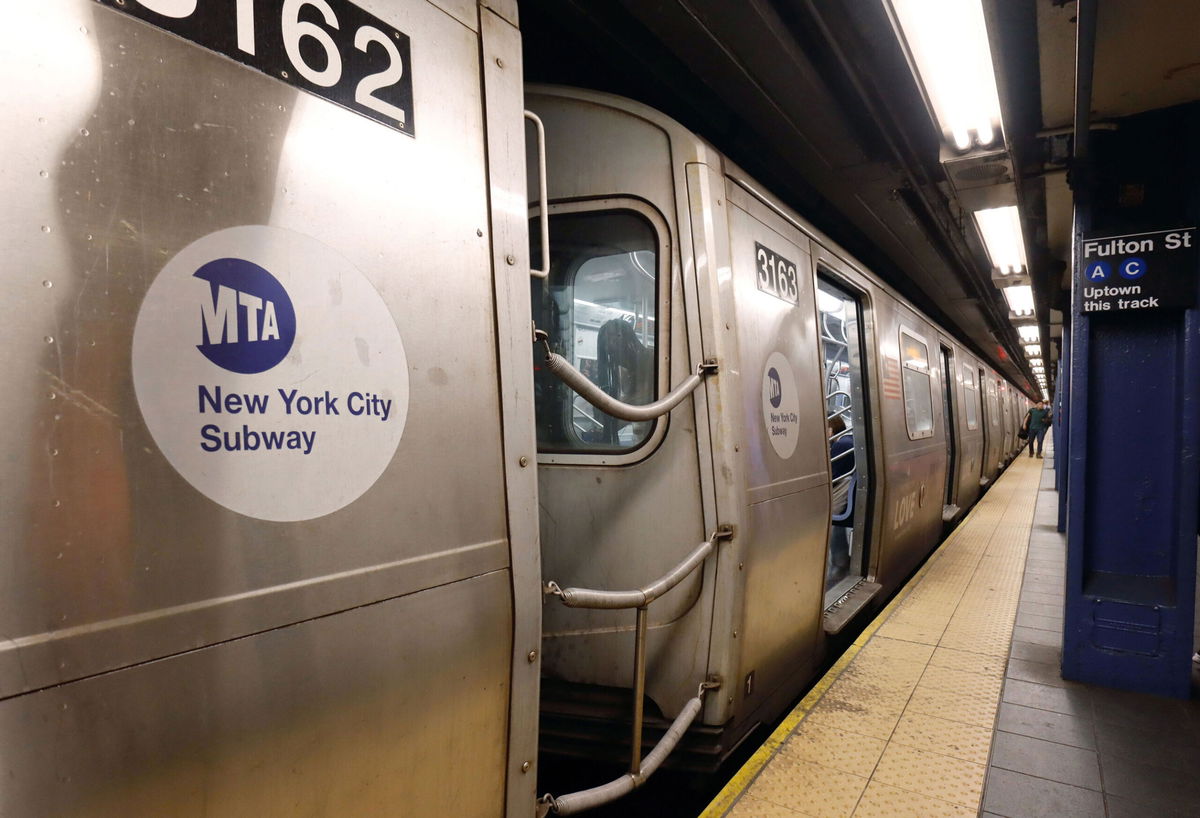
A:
(948, 424)
(918, 394)
(599, 306)
(970, 398)
(839, 315)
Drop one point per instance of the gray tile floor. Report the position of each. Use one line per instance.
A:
(1065, 749)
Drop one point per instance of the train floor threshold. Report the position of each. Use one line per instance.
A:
(902, 724)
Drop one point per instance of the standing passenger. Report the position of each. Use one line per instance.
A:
(1037, 421)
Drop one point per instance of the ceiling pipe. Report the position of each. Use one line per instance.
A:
(1085, 58)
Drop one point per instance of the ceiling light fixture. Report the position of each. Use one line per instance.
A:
(1020, 299)
(948, 42)
(1002, 236)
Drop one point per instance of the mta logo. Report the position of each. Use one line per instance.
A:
(247, 322)
(775, 387)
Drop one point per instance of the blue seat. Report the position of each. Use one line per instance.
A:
(846, 516)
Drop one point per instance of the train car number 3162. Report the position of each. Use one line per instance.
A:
(330, 48)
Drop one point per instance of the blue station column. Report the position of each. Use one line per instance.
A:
(1134, 409)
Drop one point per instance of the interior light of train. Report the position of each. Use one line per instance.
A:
(1001, 231)
(1029, 333)
(947, 39)
(827, 303)
(1033, 350)
(1020, 299)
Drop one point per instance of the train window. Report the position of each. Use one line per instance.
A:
(599, 306)
(970, 398)
(918, 395)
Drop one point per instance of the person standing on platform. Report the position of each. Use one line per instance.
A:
(1037, 421)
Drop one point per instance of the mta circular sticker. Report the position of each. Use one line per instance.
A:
(781, 405)
(270, 373)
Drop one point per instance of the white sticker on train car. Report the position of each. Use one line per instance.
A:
(270, 373)
(781, 405)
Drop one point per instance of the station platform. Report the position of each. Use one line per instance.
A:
(951, 704)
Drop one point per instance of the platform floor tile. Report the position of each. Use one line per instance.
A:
(902, 724)
(1062, 748)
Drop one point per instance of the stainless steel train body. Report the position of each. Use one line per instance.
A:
(163, 653)
(348, 620)
(686, 243)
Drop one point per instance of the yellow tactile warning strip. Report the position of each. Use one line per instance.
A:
(902, 723)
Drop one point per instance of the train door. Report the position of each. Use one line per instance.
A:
(971, 439)
(839, 314)
(620, 500)
(986, 464)
(949, 418)
(1006, 411)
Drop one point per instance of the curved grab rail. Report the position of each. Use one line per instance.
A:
(606, 403)
(639, 770)
(614, 600)
(577, 802)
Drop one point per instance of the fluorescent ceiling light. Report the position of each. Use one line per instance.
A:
(948, 42)
(1029, 333)
(1020, 299)
(1033, 350)
(1045, 395)
(1001, 231)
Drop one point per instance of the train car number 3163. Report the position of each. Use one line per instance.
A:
(776, 275)
(330, 48)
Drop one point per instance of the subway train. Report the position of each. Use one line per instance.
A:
(300, 516)
(839, 432)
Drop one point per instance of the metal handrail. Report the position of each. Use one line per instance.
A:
(543, 199)
(845, 341)
(640, 599)
(606, 403)
(595, 420)
(840, 455)
(615, 600)
(577, 802)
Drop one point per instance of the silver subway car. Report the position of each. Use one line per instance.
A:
(834, 431)
(265, 321)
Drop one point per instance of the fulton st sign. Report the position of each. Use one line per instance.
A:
(1137, 271)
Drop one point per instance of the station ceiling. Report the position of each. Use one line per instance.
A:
(817, 100)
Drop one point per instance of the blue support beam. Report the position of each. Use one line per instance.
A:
(1131, 428)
